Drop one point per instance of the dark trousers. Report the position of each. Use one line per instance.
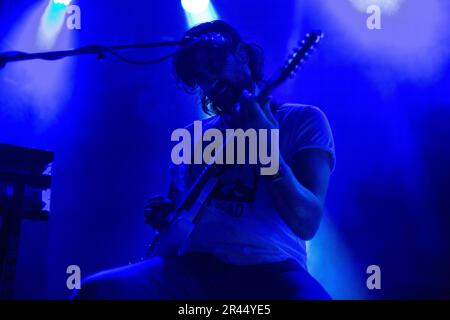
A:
(218, 280)
(202, 276)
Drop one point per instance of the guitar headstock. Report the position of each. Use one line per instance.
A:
(300, 54)
(296, 59)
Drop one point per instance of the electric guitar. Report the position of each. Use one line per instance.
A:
(180, 223)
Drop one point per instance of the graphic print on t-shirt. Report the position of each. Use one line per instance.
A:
(235, 191)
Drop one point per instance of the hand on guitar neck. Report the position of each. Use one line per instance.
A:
(251, 113)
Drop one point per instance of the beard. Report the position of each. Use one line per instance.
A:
(226, 94)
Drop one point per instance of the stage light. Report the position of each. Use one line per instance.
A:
(410, 44)
(63, 2)
(37, 88)
(195, 6)
(198, 11)
(387, 6)
(51, 23)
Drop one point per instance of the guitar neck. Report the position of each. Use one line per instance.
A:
(195, 190)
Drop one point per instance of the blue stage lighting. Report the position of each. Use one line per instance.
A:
(388, 6)
(195, 6)
(198, 11)
(64, 2)
(52, 22)
(44, 86)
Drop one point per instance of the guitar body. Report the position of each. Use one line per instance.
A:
(171, 239)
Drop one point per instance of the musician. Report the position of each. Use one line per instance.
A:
(249, 240)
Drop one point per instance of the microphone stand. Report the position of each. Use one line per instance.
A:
(98, 50)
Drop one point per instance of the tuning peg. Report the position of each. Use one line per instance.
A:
(292, 75)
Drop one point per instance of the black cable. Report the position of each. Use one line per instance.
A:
(140, 62)
(98, 50)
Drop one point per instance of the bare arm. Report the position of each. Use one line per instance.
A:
(299, 194)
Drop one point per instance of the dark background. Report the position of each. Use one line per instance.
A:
(385, 93)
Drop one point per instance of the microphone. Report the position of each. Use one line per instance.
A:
(214, 38)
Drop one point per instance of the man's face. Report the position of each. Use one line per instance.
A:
(222, 78)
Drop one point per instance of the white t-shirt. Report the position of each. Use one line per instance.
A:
(239, 223)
